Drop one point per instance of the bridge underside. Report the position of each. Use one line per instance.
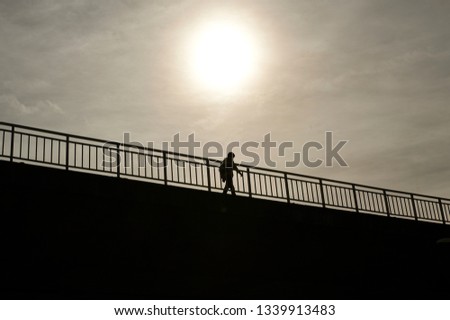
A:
(69, 235)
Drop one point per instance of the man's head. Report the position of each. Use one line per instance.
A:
(230, 155)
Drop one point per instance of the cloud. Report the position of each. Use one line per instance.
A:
(12, 108)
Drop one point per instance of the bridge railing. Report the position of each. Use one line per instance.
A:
(77, 153)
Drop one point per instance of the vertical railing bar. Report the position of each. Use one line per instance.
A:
(375, 202)
(441, 208)
(3, 141)
(11, 149)
(316, 190)
(20, 145)
(396, 206)
(294, 192)
(125, 161)
(165, 166)
(203, 178)
(145, 165)
(420, 211)
(184, 171)
(307, 191)
(367, 201)
(208, 174)
(28, 147)
(434, 210)
(51, 150)
(302, 190)
(371, 201)
(379, 203)
(278, 190)
(431, 210)
(158, 171)
(339, 196)
(67, 152)
(361, 200)
(59, 151)
(261, 184)
(334, 195)
(405, 207)
(119, 160)
(43, 152)
(97, 148)
(82, 155)
(322, 193)
(36, 150)
(75, 154)
(330, 190)
(152, 168)
(346, 197)
(266, 190)
(305, 186)
(249, 183)
(286, 185)
(427, 209)
(190, 173)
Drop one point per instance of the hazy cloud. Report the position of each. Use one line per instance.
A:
(375, 72)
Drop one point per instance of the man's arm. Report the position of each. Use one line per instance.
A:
(237, 169)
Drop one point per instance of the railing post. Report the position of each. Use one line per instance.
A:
(356, 199)
(208, 174)
(11, 156)
(67, 152)
(118, 159)
(322, 193)
(249, 183)
(386, 203)
(414, 207)
(286, 184)
(165, 166)
(442, 211)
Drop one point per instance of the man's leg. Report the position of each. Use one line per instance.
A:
(228, 184)
(225, 189)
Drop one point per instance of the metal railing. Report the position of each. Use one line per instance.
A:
(78, 153)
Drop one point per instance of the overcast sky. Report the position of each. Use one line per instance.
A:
(374, 72)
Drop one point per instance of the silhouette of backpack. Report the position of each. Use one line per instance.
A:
(223, 171)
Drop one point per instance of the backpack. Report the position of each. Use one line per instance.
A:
(223, 171)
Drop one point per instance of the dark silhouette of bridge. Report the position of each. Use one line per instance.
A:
(78, 153)
(71, 234)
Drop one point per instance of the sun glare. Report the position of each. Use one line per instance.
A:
(223, 56)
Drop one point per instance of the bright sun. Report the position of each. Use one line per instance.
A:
(223, 56)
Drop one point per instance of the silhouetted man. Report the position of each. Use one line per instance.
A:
(226, 169)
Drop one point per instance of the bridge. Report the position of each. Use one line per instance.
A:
(78, 153)
(80, 220)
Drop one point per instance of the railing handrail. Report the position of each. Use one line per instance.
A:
(209, 161)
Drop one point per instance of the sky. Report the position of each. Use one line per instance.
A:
(375, 73)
